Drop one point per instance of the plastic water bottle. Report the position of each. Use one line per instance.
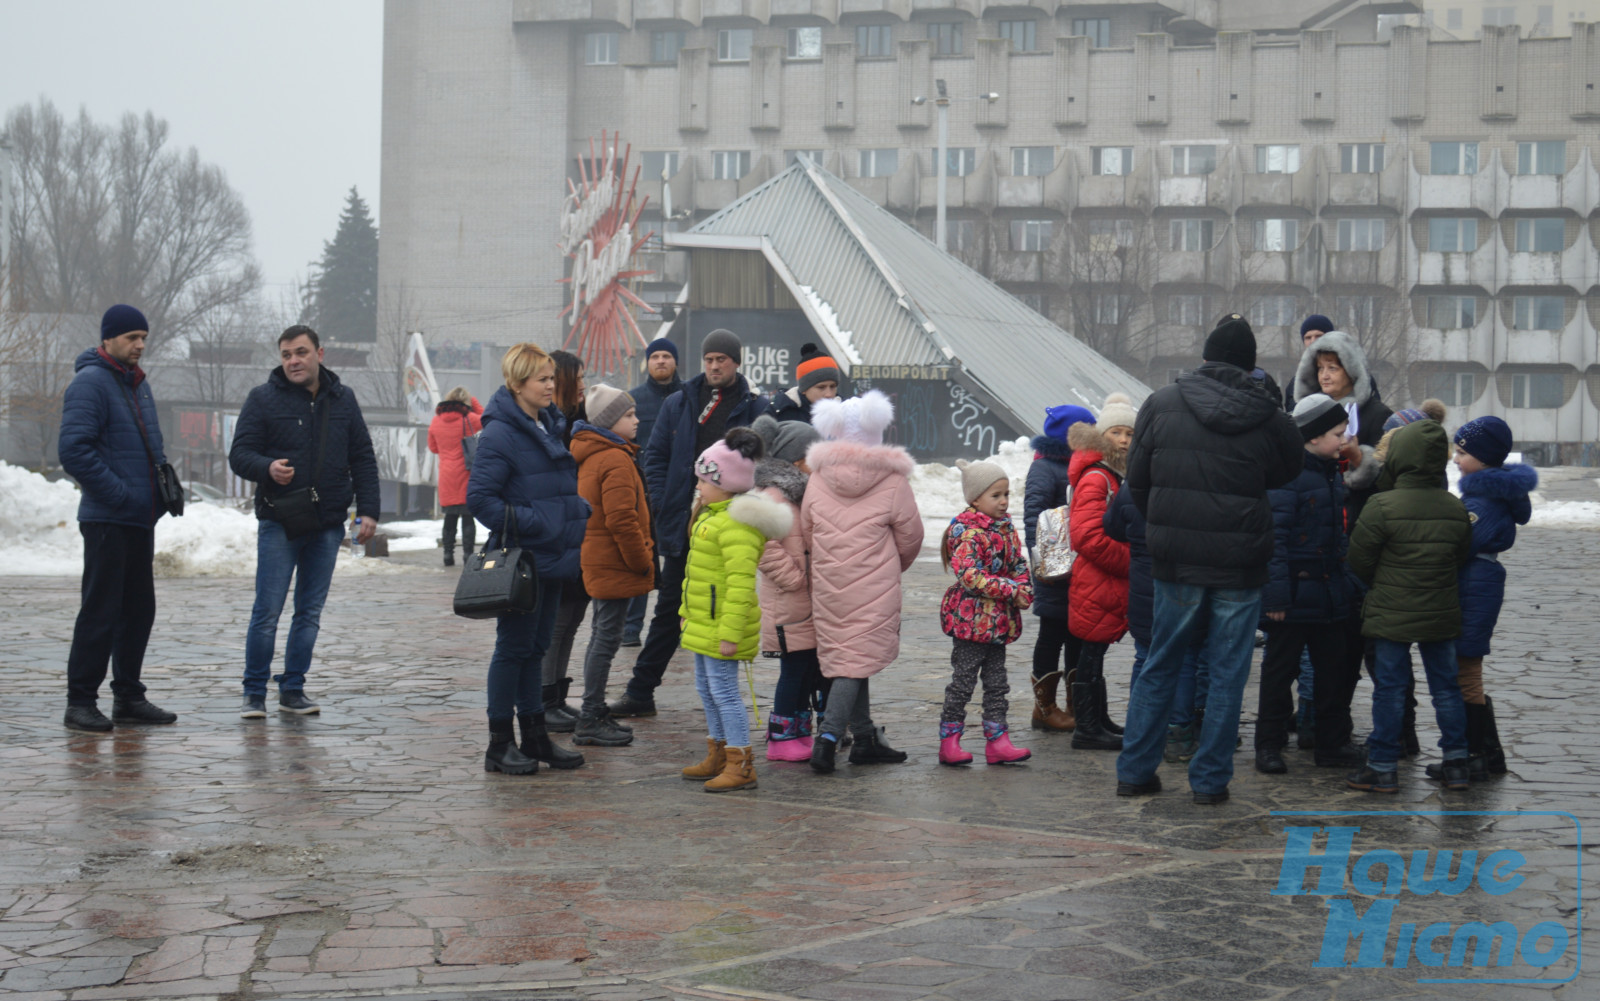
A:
(357, 550)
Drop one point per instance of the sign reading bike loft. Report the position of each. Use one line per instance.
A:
(598, 222)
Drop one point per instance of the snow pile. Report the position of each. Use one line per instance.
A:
(208, 541)
(38, 524)
(412, 536)
(1566, 514)
(938, 487)
(830, 321)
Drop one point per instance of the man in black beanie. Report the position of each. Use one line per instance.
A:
(1206, 449)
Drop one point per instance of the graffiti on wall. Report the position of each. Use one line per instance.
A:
(936, 418)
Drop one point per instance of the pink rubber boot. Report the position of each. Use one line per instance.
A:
(784, 742)
(997, 746)
(950, 752)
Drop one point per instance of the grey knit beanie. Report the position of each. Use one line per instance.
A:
(723, 342)
(976, 477)
(605, 405)
(786, 441)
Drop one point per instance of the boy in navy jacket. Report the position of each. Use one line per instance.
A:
(1308, 597)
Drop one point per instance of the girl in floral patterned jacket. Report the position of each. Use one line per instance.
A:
(982, 612)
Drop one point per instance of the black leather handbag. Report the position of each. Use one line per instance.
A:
(296, 510)
(498, 581)
(168, 490)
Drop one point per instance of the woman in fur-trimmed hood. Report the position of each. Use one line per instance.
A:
(863, 530)
(1335, 364)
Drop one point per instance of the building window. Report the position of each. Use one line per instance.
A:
(733, 45)
(1357, 312)
(1111, 160)
(946, 37)
(1034, 301)
(1541, 236)
(1499, 17)
(1361, 158)
(1453, 158)
(1107, 307)
(1538, 312)
(600, 48)
(1453, 389)
(874, 40)
(1453, 235)
(1106, 235)
(1190, 160)
(729, 165)
(1277, 234)
(1031, 234)
(960, 235)
(1537, 390)
(879, 162)
(1273, 311)
(790, 156)
(1097, 28)
(1187, 310)
(1021, 34)
(1452, 18)
(1452, 312)
(1032, 161)
(958, 161)
(1192, 234)
(658, 165)
(1542, 157)
(664, 46)
(805, 43)
(1277, 159)
(1360, 234)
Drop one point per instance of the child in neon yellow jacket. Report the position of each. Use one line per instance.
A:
(719, 611)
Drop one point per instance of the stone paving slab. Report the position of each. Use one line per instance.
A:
(365, 853)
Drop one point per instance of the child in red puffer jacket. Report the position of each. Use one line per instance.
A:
(982, 612)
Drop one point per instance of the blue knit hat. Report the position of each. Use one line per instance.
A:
(1058, 419)
(1316, 321)
(121, 320)
(1428, 410)
(1487, 439)
(661, 344)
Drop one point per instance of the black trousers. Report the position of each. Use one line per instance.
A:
(469, 528)
(119, 607)
(662, 640)
(1054, 638)
(1334, 676)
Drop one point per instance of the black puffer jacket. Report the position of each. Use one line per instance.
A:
(1124, 523)
(1206, 449)
(1047, 488)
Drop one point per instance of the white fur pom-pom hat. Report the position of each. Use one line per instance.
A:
(860, 419)
(1119, 412)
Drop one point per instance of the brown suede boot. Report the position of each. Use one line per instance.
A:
(713, 764)
(739, 773)
(1046, 714)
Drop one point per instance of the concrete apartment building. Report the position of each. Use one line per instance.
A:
(1462, 19)
(1146, 167)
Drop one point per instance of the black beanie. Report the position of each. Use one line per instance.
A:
(119, 320)
(1233, 343)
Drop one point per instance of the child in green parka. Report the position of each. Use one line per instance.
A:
(1408, 545)
(720, 615)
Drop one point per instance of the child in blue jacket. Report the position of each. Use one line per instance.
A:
(1496, 495)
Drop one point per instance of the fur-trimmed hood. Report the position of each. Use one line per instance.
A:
(1351, 356)
(1513, 481)
(784, 477)
(768, 517)
(852, 469)
(1089, 446)
(1054, 449)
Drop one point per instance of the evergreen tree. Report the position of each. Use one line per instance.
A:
(343, 304)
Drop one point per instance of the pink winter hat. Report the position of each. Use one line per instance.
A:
(731, 462)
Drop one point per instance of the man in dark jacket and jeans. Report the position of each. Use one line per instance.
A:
(1205, 451)
(707, 407)
(661, 365)
(300, 430)
(110, 443)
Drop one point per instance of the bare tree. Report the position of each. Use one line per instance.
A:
(1111, 265)
(399, 314)
(227, 351)
(36, 365)
(106, 215)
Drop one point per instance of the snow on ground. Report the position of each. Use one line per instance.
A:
(412, 536)
(1567, 514)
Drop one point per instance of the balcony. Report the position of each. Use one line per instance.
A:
(964, 6)
(1020, 192)
(899, 8)
(1276, 190)
(682, 12)
(735, 11)
(827, 10)
(1386, 189)
(618, 12)
(1197, 267)
(1574, 266)
(1476, 269)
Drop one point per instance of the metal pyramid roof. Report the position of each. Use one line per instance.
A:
(895, 298)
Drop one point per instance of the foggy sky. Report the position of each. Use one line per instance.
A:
(285, 96)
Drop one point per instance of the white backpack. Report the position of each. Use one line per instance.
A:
(1053, 545)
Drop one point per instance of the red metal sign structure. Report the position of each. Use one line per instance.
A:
(598, 224)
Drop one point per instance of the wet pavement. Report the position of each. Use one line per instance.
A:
(364, 852)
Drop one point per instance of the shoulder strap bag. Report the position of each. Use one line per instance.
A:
(469, 443)
(296, 510)
(498, 581)
(168, 489)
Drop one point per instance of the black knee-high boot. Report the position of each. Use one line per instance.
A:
(1089, 690)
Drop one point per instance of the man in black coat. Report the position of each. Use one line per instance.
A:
(1206, 449)
(661, 365)
(301, 439)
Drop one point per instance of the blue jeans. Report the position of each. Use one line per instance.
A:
(1229, 615)
(309, 560)
(516, 670)
(1389, 700)
(717, 681)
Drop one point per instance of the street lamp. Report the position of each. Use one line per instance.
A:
(942, 102)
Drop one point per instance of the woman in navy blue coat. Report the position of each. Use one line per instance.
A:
(522, 464)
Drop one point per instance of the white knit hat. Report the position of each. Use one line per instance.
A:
(860, 419)
(1119, 412)
(976, 477)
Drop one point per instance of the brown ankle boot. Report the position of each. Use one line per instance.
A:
(713, 764)
(1046, 714)
(738, 773)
